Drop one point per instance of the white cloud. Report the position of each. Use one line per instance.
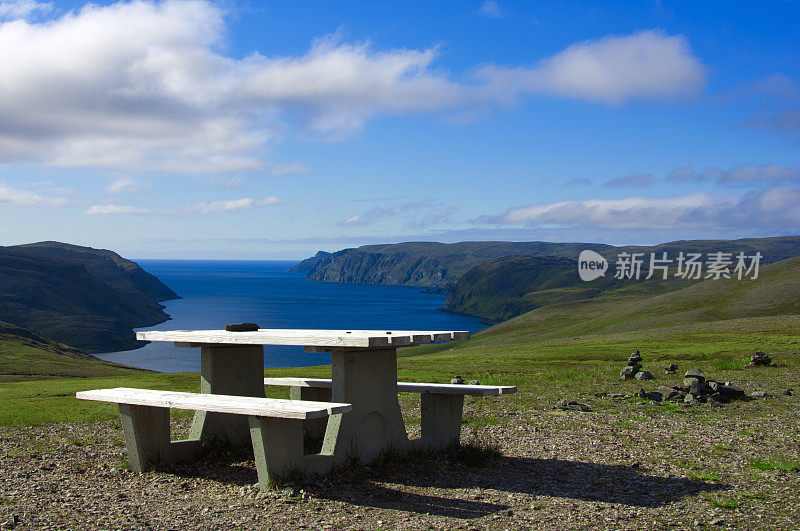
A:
(289, 169)
(116, 210)
(423, 214)
(125, 185)
(142, 86)
(648, 65)
(244, 203)
(21, 9)
(772, 208)
(17, 197)
(491, 9)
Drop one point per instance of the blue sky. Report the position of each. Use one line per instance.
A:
(271, 130)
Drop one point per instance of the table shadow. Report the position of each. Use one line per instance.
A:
(630, 486)
(619, 484)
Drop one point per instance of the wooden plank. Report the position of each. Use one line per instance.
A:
(242, 405)
(306, 338)
(405, 387)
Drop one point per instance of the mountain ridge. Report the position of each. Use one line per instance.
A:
(87, 298)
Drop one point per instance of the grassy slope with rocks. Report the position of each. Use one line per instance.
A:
(87, 298)
(627, 464)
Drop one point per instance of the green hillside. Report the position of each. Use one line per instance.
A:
(718, 322)
(506, 287)
(88, 298)
(25, 355)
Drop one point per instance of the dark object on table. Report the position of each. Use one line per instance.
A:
(242, 327)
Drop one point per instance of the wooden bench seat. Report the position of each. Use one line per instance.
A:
(441, 405)
(276, 426)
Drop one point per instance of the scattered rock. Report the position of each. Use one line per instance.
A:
(633, 360)
(697, 374)
(671, 369)
(644, 375)
(667, 392)
(629, 371)
(731, 391)
(760, 359)
(789, 392)
(571, 405)
(718, 521)
(457, 380)
(761, 394)
(653, 396)
(474, 382)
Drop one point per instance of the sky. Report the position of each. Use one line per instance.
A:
(271, 130)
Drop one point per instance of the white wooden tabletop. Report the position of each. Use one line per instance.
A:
(306, 338)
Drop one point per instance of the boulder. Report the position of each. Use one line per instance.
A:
(633, 360)
(697, 374)
(667, 392)
(691, 400)
(760, 359)
(731, 391)
(629, 371)
(718, 397)
(643, 375)
(696, 388)
(457, 380)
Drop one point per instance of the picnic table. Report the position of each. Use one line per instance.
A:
(364, 374)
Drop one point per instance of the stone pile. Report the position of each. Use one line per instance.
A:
(634, 369)
(760, 359)
(696, 389)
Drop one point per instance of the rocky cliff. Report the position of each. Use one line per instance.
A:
(423, 264)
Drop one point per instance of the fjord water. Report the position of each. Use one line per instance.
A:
(265, 292)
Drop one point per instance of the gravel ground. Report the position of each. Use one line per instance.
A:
(625, 465)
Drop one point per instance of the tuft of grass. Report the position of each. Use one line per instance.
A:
(705, 475)
(725, 504)
(480, 421)
(476, 453)
(123, 463)
(774, 464)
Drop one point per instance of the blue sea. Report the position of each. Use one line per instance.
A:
(265, 292)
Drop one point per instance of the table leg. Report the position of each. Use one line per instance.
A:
(367, 379)
(228, 370)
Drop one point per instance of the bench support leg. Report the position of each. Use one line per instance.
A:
(277, 446)
(441, 419)
(314, 427)
(228, 370)
(367, 379)
(146, 432)
(147, 441)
